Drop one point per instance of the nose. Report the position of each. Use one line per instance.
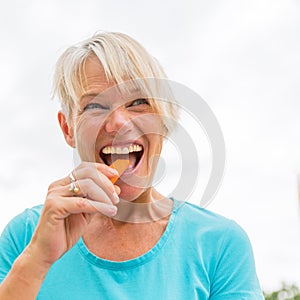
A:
(119, 119)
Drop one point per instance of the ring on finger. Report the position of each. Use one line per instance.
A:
(74, 188)
(72, 177)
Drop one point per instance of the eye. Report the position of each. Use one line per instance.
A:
(139, 102)
(93, 106)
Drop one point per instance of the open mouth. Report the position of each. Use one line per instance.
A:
(132, 152)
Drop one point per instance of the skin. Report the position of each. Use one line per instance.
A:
(67, 217)
(94, 127)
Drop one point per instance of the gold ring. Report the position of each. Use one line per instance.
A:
(74, 188)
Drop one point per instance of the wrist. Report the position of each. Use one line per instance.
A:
(30, 267)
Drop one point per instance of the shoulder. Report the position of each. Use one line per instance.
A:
(224, 249)
(197, 216)
(28, 216)
(202, 224)
(16, 236)
(22, 226)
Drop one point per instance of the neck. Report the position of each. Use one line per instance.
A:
(151, 206)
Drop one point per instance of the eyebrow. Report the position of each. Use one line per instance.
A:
(90, 95)
(101, 95)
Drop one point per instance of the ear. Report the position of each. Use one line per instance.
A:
(66, 129)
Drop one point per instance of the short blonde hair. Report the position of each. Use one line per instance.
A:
(123, 59)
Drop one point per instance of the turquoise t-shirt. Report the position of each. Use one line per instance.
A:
(201, 255)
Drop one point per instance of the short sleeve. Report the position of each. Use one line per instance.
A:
(235, 275)
(15, 237)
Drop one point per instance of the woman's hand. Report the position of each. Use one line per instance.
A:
(66, 215)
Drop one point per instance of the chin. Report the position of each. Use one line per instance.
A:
(130, 193)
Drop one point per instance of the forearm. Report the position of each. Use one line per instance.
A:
(63, 220)
(24, 279)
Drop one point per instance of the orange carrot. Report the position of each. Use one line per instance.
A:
(120, 165)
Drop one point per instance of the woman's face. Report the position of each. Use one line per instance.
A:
(110, 125)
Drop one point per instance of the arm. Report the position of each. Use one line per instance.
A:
(63, 220)
(25, 278)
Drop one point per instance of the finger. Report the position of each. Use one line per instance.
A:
(90, 170)
(91, 190)
(81, 170)
(83, 205)
(87, 189)
(117, 189)
(95, 168)
(100, 179)
(108, 210)
(76, 205)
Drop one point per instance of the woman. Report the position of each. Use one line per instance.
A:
(95, 239)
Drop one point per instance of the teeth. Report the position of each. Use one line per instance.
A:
(124, 150)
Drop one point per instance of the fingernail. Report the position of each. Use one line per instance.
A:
(113, 210)
(114, 171)
(107, 209)
(116, 197)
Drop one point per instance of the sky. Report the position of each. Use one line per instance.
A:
(242, 57)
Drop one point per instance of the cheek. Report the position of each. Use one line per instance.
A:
(86, 134)
(88, 126)
(155, 146)
(153, 152)
(152, 128)
(150, 124)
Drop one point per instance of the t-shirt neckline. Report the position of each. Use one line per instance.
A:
(132, 263)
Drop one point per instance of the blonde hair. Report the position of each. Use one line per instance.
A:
(122, 58)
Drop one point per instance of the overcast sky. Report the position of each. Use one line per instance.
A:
(242, 57)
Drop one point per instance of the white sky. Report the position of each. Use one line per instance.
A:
(242, 57)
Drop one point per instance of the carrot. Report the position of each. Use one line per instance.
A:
(120, 165)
